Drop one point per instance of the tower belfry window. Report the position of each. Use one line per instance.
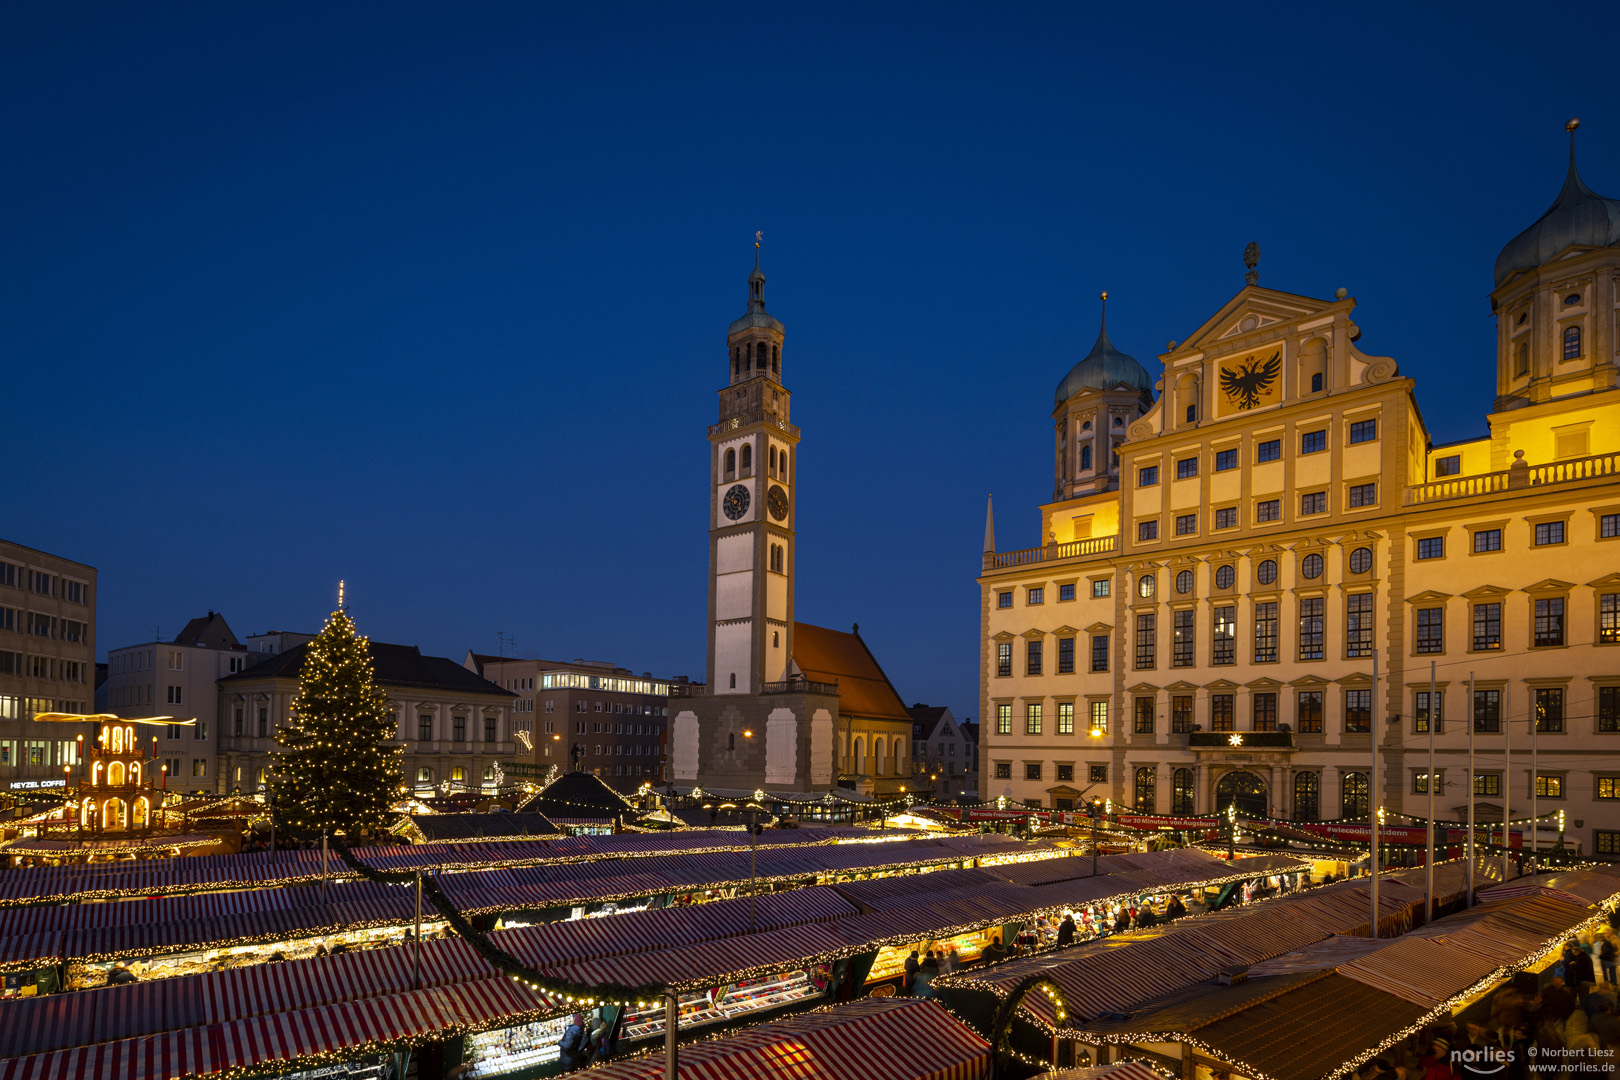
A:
(731, 464)
(776, 360)
(747, 460)
(781, 466)
(764, 356)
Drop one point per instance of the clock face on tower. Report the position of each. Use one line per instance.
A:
(776, 501)
(736, 502)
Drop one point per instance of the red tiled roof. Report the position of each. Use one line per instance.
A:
(834, 656)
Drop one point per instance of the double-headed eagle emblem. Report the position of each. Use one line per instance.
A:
(1244, 384)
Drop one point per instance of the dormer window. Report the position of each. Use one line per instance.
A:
(1569, 301)
(1086, 426)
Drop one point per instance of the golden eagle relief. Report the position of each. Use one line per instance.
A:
(1249, 382)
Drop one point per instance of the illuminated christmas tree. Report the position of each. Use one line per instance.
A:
(339, 766)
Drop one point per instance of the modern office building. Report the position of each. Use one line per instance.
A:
(47, 663)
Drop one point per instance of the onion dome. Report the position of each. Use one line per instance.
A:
(1103, 368)
(1578, 217)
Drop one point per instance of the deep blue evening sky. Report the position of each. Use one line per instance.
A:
(434, 297)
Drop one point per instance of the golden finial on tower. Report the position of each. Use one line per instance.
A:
(759, 238)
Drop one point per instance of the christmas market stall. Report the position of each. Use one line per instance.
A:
(874, 1039)
(1290, 988)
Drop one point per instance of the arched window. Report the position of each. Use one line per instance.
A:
(776, 639)
(129, 740)
(747, 460)
(776, 359)
(458, 774)
(877, 757)
(1354, 804)
(1085, 458)
(1307, 796)
(1144, 790)
(764, 356)
(773, 461)
(134, 772)
(858, 755)
(731, 464)
(95, 774)
(138, 818)
(1572, 343)
(1521, 359)
(115, 774)
(1181, 791)
(782, 466)
(112, 814)
(736, 362)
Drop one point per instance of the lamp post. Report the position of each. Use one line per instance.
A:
(1096, 811)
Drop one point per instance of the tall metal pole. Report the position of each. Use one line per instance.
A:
(1535, 785)
(672, 1018)
(1434, 721)
(1372, 793)
(323, 867)
(1094, 838)
(1470, 715)
(751, 871)
(1507, 777)
(418, 983)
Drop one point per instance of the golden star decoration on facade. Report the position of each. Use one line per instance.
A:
(1235, 739)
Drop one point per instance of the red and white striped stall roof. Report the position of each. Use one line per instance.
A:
(872, 1039)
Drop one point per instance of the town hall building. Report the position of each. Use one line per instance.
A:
(1258, 570)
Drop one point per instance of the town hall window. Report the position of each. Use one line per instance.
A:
(747, 460)
(731, 464)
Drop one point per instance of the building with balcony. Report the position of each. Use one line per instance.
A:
(454, 724)
(613, 717)
(1272, 573)
(47, 663)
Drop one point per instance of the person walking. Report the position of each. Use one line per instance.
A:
(1608, 954)
(571, 1047)
(1065, 931)
(909, 983)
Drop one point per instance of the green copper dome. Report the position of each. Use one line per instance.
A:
(1579, 216)
(1103, 368)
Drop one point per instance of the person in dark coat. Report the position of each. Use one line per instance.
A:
(909, 983)
(1065, 931)
(993, 953)
(571, 1047)
(1578, 969)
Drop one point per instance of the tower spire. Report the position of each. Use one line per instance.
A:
(990, 522)
(756, 280)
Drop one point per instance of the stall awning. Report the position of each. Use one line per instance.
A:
(871, 1039)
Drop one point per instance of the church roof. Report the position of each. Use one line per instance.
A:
(825, 655)
(395, 665)
(1103, 368)
(1579, 217)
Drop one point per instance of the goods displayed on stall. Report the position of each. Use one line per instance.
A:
(728, 1002)
(513, 1049)
(84, 975)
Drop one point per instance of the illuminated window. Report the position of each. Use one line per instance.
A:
(1032, 770)
(1099, 716)
(1003, 770)
(1421, 710)
(1310, 712)
(1609, 619)
(1550, 709)
(1181, 714)
(1181, 791)
(1003, 719)
(1265, 632)
(1144, 788)
(1032, 719)
(1223, 638)
(1065, 720)
(1222, 712)
(1354, 801)
(1003, 658)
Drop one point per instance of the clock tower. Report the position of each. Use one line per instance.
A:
(753, 458)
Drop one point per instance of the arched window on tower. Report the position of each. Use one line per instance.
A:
(736, 361)
(773, 461)
(747, 460)
(1085, 458)
(1572, 343)
(1521, 359)
(764, 357)
(776, 359)
(748, 361)
(731, 464)
(781, 466)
